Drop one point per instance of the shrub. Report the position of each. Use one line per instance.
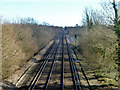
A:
(20, 42)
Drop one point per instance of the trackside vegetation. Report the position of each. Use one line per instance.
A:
(99, 41)
(20, 41)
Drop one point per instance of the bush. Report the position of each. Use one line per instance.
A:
(20, 42)
(98, 46)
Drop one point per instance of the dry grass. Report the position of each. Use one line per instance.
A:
(98, 46)
(20, 42)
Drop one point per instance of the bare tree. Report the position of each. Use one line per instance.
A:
(27, 21)
(93, 17)
(110, 11)
(45, 24)
(88, 19)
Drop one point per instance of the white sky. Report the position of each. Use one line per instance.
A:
(49, 0)
(55, 12)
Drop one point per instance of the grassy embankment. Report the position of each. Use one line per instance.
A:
(98, 46)
(20, 42)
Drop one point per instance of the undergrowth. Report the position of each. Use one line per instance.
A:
(98, 46)
(20, 42)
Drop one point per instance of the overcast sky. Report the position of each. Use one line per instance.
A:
(55, 12)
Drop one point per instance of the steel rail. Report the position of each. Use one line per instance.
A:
(54, 51)
(62, 74)
(82, 69)
(51, 68)
(74, 72)
(37, 76)
(76, 75)
(48, 51)
(74, 81)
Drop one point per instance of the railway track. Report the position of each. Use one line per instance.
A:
(53, 53)
(58, 69)
(76, 81)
